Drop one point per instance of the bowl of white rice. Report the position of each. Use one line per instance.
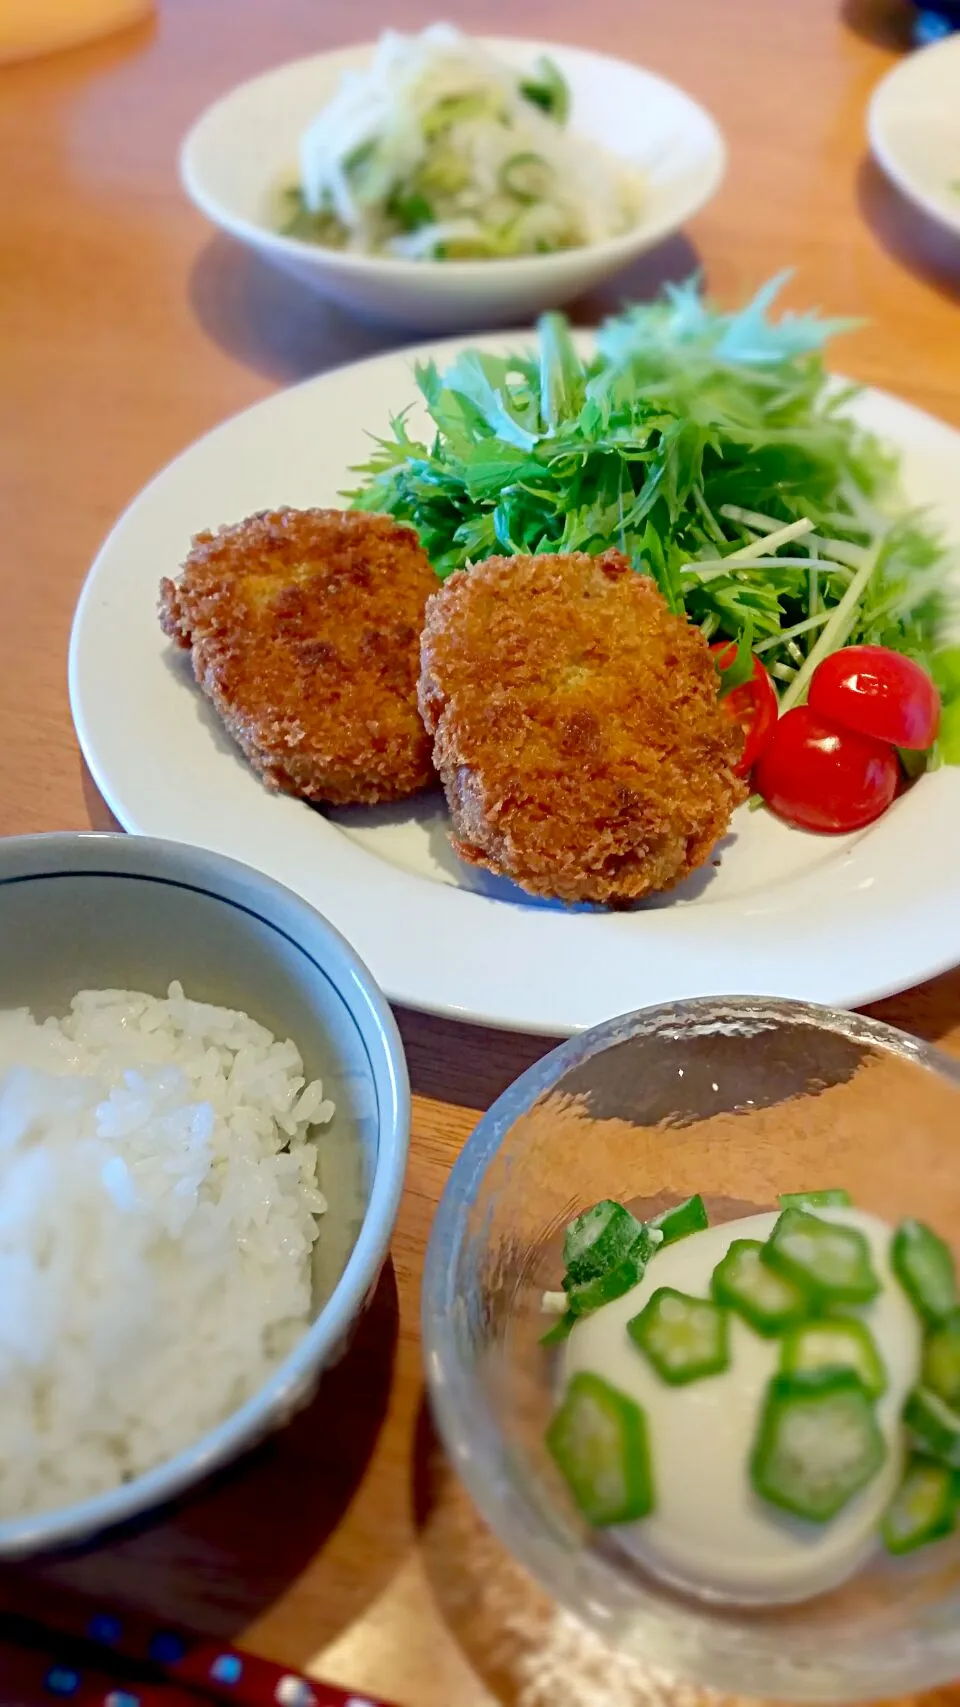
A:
(204, 1119)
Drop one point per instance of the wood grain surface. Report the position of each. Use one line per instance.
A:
(127, 328)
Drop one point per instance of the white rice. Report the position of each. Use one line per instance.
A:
(157, 1202)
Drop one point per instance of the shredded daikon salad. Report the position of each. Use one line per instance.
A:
(438, 151)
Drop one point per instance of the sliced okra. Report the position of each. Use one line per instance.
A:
(831, 1262)
(924, 1266)
(767, 1301)
(923, 1509)
(835, 1342)
(598, 1440)
(685, 1338)
(941, 1360)
(599, 1239)
(680, 1221)
(935, 1426)
(831, 1197)
(818, 1443)
(585, 1296)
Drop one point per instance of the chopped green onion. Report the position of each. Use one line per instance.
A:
(301, 222)
(818, 1443)
(684, 1218)
(598, 1440)
(357, 160)
(410, 209)
(444, 173)
(459, 109)
(830, 1262)
(547, 89)
(923, 1509)
(526, 176)
(836, 1342)
(686, 1339)
(768, 1302)
(924, 1266)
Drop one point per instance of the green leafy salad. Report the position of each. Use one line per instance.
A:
(714, 450)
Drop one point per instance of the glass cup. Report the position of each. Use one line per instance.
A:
(739, 1099)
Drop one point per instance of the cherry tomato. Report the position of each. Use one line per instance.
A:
(754, 705)
(821, 777)
(879, 693)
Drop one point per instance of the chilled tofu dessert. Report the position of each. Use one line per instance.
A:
(753, 1408)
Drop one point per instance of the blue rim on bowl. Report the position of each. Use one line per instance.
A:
(199, 873)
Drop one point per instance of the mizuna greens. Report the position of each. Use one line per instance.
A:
(712, 449)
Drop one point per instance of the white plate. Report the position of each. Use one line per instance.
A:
(244, 149)
(785, 913)
(914, 126)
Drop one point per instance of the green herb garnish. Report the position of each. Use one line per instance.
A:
(739, 671)
(547, 89)
(711, 448)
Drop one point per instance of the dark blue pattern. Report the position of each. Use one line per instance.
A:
(195, 889)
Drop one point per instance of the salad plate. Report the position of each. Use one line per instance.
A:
(834, 919)
(914, 127)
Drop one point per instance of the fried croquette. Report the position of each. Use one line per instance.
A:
(577, 728)
(304, 630)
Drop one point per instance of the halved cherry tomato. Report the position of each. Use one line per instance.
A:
(821, 777)
(754, 705)
(879, 693)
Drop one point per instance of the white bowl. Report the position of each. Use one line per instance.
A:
(244, 149)
(82, 911)
(914, 127)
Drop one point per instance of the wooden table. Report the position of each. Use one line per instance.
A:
(127, 329)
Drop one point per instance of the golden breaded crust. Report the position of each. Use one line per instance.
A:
(577, 729)
(304, 630)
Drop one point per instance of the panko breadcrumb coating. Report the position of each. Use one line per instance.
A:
(577, 728)
(304, 629)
